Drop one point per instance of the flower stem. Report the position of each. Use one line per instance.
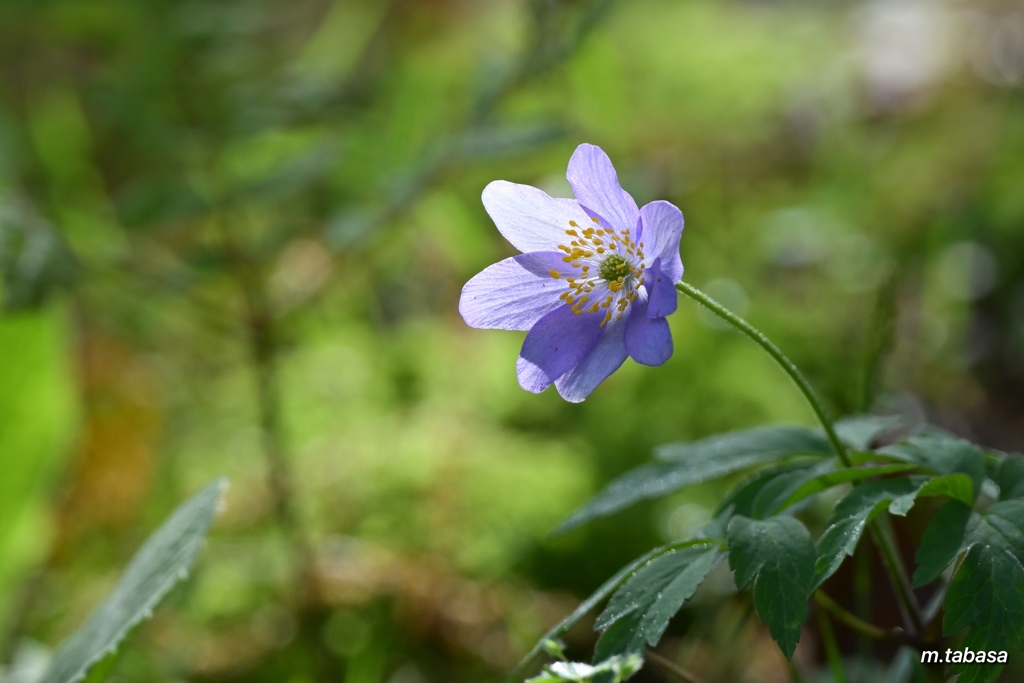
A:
(787, 365)
(890, 554)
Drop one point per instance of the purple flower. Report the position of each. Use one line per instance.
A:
(594, 282)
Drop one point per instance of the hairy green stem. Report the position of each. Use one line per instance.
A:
(787, 365)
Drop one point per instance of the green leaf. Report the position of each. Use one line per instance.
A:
(851, 516)
(1010, 477)
(769, 442)
(942, 542)
(943, 454)
(684, 464)
(606, 589)
(987, 593)
(861, 432)
(645, 603)
(741, 498)
(953, 486)
(790, 490)
(778, 555)
(163, 561)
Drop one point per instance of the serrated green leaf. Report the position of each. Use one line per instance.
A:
(942, 542)
(953, 486)
(681, 465)
(1009, 477)
(777, 554)
(851, 515)
(606, 589)
(786, 491)
(163, 561)
(986, 594)
(651, 597)
(942, 454)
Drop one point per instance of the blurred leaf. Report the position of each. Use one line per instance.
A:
(943, 454)
(767, 442)
(778, 555)
(987, 593)
(38, 416)
(487, 142)
(163, 561)
(788, 490)
(34, 262)
(641, 609)
(862, 432)
(942, 541)
(685, 464)
(741, 498)
(955, 486)
(851, 515)
(1010, 477)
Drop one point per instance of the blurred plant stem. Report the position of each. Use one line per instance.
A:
(670, 667)
(264, 356)
(881, 534)
(832, 654)
(879, 341)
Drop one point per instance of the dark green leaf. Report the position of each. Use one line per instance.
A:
(741, 498)
(987, 593)
(953, 486)
(163, 561)
(786, 491)
(685, 464)
(777, 554)
(942, 542)
(851, 516)
(650, 598)
(943, 454)
(606, 589)
(863, 432)
(1010, 477)
(768, 442)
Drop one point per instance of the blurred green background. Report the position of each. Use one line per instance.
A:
(233, 237)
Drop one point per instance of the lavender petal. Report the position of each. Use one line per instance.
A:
(602, 361)
(596, 186)
(528, 218)
(662, 229)
(515, 293)
(661, 292)
(556, 344)
(648, 340)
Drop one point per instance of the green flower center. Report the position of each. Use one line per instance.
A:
(613, 267)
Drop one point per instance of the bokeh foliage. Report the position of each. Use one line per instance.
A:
(223, 219)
